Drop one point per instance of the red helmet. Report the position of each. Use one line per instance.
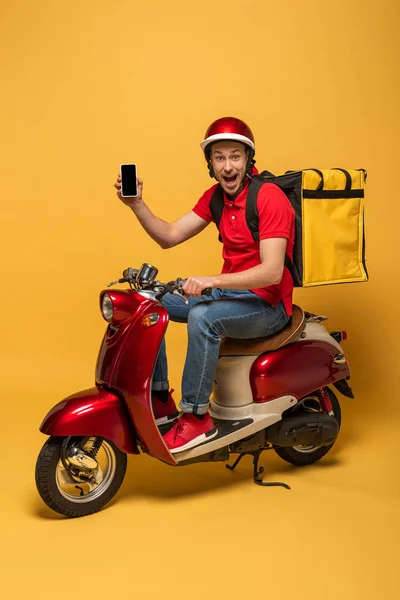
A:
(228, 128)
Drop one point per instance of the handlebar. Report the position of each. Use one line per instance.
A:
(173, 287)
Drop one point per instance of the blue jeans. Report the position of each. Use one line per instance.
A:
(230, 313)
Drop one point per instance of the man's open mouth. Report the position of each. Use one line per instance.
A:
(230, 180)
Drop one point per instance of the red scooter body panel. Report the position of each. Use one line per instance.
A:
(295, 370)
(126, 362)
(94, 412)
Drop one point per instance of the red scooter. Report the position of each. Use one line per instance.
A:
(269, 393)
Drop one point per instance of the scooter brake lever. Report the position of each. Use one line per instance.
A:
(123, 280)
(179, 292)
(181, 295)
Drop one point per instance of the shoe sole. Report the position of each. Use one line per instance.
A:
(167, 419)
(196, 441)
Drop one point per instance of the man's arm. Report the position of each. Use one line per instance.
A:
(269, 272)
(165, 234)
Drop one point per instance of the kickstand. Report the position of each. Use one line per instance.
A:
(235, 464)
(257, 471)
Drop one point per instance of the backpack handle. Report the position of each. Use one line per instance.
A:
(365, 174)
(321, 185)
(348, 178)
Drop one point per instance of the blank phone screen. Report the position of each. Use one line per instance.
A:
(129, 185)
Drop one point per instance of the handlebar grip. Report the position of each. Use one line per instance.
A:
(207, 292)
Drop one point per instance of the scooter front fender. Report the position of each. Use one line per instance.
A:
(93, 412)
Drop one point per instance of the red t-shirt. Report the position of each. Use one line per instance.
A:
(240, 252)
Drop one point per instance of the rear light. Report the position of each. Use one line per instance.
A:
(339, 336)
(340, 359)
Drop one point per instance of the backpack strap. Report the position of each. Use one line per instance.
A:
(252, 217)
(217, 206)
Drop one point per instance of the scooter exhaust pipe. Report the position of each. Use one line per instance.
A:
(318, 429)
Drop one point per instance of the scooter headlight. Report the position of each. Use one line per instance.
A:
(107, 308)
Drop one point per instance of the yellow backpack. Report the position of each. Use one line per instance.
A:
(329, 225)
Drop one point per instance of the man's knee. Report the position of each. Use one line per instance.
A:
(176, 308)
(199, 317)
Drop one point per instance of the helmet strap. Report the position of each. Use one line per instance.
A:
(250, 164)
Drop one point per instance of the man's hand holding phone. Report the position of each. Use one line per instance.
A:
(129, 187)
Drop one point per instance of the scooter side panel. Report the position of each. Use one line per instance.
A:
(94, 412)
(127, 367)
(131, 305)
(297, 369)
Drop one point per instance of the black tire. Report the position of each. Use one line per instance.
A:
(48, 463)
(299, 458)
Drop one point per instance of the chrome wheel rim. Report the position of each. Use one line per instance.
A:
(306, 449)
(72, 491)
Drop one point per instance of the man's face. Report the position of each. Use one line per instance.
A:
(229, 160)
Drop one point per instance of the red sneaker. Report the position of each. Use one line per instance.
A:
(189, 431)
(164, 412)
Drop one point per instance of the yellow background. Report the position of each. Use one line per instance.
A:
(88, 85)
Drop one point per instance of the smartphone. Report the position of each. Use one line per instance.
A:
(129, 182)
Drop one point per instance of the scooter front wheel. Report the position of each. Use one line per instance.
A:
(78, 476)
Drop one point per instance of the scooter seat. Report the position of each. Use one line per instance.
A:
(235, 346)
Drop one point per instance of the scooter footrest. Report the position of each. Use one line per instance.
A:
(226, 427)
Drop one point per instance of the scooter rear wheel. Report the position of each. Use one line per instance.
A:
(68, 493)
(306, 455)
